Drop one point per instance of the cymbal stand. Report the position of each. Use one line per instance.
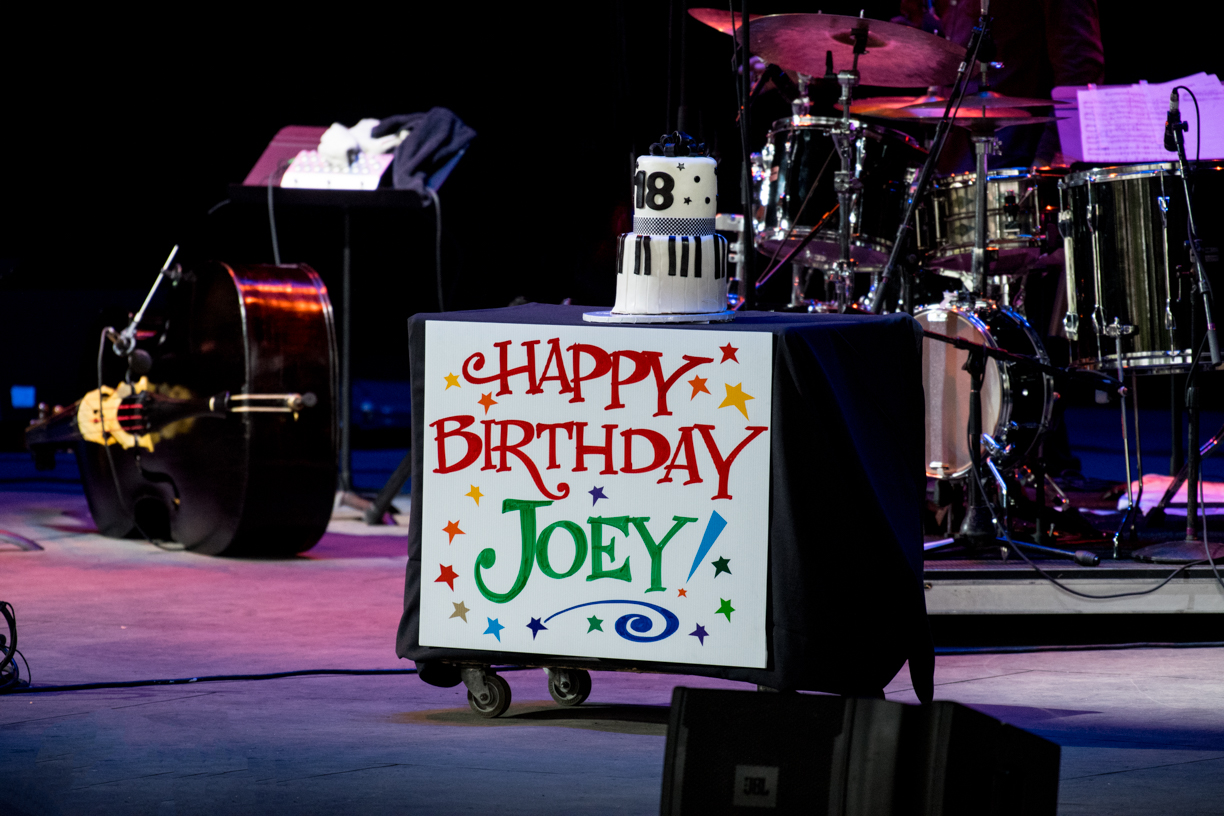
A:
(918, 187)
(984, 144)
(845, 181)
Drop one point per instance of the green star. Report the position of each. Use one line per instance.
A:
(721, 566)
(725, 609)
(595, 623)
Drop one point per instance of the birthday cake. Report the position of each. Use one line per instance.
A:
(673, 262)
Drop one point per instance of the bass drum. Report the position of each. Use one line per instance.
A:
(1016, 402)
(794, 189)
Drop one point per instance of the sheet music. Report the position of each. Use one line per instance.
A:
(1126, 124)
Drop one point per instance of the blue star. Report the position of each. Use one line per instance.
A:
(596, 495)
(680, 165)
(494, 629)
(535, 626)
(700, 633)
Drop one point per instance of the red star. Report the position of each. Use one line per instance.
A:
(488, 402)
(447, 577)
(452, 530)
(728, 353)
(699, 386)
(681, 593)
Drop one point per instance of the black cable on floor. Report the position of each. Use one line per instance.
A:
(216, 678)
(1085, 647)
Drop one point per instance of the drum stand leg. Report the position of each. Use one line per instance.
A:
(1193, 548)
(977, 528)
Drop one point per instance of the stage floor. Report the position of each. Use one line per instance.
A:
(1141, 729)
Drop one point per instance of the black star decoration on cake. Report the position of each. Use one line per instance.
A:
(680, 165)
(688, 200)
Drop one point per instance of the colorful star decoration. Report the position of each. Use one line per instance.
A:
(681, 593)
(460, 611)
(594, 623)
(596, 494)
(721, 565)
(452, 381)
(494, 628)
(447, 577)
(487, 401)
(699, 386)
(700, 633)
(725, 609)
(475, 494)
(452, 530)
(728, 353)
(737, 398)
(536, 627)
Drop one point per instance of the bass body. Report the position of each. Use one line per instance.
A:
(216, 448)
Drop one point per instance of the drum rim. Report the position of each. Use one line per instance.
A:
(1138, 170)
(789, 124)
(969, 177)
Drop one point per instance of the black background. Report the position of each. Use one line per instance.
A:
(122, 129)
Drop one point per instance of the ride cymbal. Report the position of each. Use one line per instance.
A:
(897, 56)
(720, 19)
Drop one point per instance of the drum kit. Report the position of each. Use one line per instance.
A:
(848, 198)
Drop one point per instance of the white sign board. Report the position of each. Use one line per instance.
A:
(596, 491)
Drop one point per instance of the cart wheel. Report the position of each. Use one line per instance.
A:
(569, 687)
(494, 701)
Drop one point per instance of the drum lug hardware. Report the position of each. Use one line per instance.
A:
(1071, 324)
(1098, 319)
(1011, 212)
(1118, 329)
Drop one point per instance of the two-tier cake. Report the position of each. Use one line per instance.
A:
(673, 262)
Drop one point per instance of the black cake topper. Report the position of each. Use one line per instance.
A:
(678, 143)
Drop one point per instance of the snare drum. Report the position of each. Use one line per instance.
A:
(1021, 218)
(1016, 401)
(1127, 264)
(800, 154)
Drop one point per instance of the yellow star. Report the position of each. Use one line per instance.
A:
(452, 379)
(736, 397)
(475, 494)
(461, 611)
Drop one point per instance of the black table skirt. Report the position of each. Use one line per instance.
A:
(845, 605)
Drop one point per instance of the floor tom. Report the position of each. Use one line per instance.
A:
(1128, 265)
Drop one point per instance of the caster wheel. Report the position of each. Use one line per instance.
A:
(494, 701)
(569, 687)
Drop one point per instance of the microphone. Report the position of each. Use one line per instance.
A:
(1173, 123)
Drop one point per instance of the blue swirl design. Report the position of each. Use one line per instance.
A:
(637, 621)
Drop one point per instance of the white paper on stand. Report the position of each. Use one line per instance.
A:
(1125, 124)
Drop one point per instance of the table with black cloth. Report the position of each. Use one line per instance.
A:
(845, 606)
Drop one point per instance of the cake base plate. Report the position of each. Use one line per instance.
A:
(613, 317)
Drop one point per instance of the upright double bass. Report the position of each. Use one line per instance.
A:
(214, 421)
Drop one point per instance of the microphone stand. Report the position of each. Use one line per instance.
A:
(919, 187)
(978, 527)
(1193, 547)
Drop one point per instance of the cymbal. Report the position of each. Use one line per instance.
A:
(897, 56)
(884, 105)
(989, 124)
(990, 99)
(924, 112)
(719, 19)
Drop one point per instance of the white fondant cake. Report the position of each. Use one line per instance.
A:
(673, 262)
